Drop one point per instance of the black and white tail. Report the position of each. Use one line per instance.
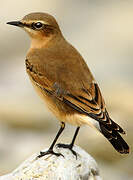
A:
(112, 132)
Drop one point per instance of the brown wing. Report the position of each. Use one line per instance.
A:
(87, 100)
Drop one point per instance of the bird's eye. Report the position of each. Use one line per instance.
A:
(37, 25)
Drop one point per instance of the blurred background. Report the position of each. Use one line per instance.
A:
(103, 33)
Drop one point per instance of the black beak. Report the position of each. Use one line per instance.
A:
(16, 23)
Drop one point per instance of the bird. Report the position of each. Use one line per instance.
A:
(64, 81)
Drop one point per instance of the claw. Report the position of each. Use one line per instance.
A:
(49, 152)
(68, 146)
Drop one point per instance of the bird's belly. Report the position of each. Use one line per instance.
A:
(62, 111)
(49, 101)
(79, 119)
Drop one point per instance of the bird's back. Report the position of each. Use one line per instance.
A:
(62, 64)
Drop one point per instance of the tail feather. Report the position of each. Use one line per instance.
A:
(115, 139)
(111, 131)
(112, 125)
(117, 127)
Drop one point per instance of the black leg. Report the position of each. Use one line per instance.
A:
(75, 135)
(70, 146)
(50, 150)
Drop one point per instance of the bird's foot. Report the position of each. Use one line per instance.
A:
(50, 151)
(68, 146)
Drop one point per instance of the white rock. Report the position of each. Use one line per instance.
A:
(51, 167)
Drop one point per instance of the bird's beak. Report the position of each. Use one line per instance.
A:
(16, 23)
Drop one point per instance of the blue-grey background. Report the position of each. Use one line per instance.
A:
(102, 30)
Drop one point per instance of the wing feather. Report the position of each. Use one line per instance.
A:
(87, 101)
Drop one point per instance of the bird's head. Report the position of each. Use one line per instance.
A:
(41, 27)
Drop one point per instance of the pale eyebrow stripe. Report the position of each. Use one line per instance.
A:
(30, 22)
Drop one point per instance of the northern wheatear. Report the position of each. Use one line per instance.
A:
(63, 80)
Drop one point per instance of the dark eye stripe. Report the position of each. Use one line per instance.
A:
(27, 25)
(30, 25)
(45, 26)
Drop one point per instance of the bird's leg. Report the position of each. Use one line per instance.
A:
(50, 150)
(70, 146)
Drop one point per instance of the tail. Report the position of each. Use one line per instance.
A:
(112, 133)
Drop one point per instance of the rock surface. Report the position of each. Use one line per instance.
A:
(51, 167)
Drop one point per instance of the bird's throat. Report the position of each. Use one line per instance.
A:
(40, 42)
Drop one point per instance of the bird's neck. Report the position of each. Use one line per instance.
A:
(45, 42)
(37, 43)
